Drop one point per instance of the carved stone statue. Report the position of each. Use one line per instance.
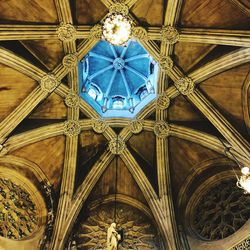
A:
(112, 237)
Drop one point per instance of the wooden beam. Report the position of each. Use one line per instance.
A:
(107, 3)
(63, 11)
(172, 12)
(27, 32)
(221, 64)
(216, 36)
(221, 124)
(131, 3)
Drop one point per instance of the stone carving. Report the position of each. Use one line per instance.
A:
(245, 244)
(185, 85)
(72, 100)
(96, 32)
(220, 212)
(135, 126)
(66, 32)
(112, 237)
(99, 125)
(169, 35)
(117, 145)
(119, 7)
(161, 129)
(163, 101)
(18, 213)
(48, 83)
(3, 150)
(166, 63)
(72, 128)
(140, 33)
(70, 61)
(137, 229)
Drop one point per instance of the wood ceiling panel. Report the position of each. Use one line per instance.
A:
(14, 88)
(181, 110)
(49, 155)
(90, 11)
(188, 55)
(28, 11)
(185, 156)
(49, 52)
(225, 90)
(149, 12)
(52, 108)
(125, 183)
(213, 14)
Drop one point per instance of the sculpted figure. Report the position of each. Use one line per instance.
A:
(112, 237)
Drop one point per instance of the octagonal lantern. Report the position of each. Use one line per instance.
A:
(118, 81)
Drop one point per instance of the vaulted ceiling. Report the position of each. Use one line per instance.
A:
(175, 142)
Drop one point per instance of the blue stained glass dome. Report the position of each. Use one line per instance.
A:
(118, 81)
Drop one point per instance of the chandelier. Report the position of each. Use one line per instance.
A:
(244, 180)
(117, 28)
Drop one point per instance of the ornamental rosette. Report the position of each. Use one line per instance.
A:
(117, 145)
(48, 83)
(99, 125)
(72, 128)
(66, 32)
(169, 35)
(140, 33)
(96, 32)
(70, 61)
(161, 129)
(72, 100)
(163, 101)
(135, 126)
(166, 63)
(185, 85)
(119, 7)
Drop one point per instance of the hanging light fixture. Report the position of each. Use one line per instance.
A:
(243, 182)
(117, 28)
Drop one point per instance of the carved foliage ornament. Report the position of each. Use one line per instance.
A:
(72, 100)
(72, 128)
(163, 101)
(119, 7)
(166, 63)
(185, 85)
(48, 83)
(99, 125)
(117, 145)
(169, 35)
(139, 33)
(66, 32)
(18, 213)
(135, 126)
(96, 32)
(70, 61)
(161, 129)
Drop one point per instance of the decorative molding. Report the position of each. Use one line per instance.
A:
(166, 63)
(66, 32)
(72, 100)
(48, 83)
(99, 125)
(161, 129)
(163, 101)
(135, 126)
(96, 32)
(119, 7)
(72, 128)
(140, 33)
(169, 35)
(185, 85)
(70, 61)
(117, 145)
(245, 244)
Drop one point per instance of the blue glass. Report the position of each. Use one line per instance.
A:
(118, 81)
